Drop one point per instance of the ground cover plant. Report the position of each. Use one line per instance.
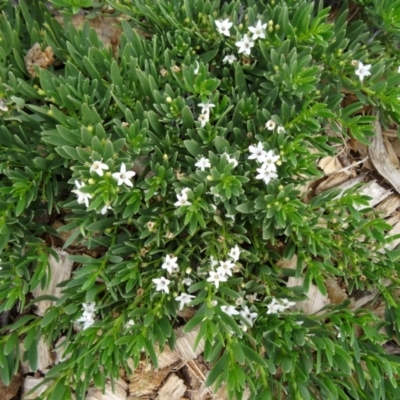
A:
(178, 159)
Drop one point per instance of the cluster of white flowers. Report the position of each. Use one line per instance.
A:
(98, 167)
(271, 125)
(88, 316)
(246, 43)
(225, 267)
(267, 159)
(204, 117)
(244, 312)
(277, 306)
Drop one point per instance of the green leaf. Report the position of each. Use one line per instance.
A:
(187, 118)
(252, 356)
(193, 147)
(246, 208)
(218, 369)
(11, 344)
(49, 317)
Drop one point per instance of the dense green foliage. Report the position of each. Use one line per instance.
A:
(139, 106)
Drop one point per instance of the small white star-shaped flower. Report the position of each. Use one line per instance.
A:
(224, 26)
(206, 107)
(248, 315)
(98, 167)
(231, 160)
(187, 281)
(170, 264)
(270, 125)
(245, 45)
(182, 200)
(269, 158)
(203, 163)
(234, 253)
(162, 284)
(258, 31)
(257, 152)
(281, 129)
(216, 278)
(230, 310)
(363, 70)
(226, 267)
(229, 58)
(124, 176)
(203, 119)
(82, 197)
(184, 299)
(105, 209)
(266, 174)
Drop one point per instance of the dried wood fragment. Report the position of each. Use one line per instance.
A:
(332, 181)
(29, 383)
(316, 300)
(173, 388)
(376, 192)
(59, 272)
(389, 205)
(36, 57)
(185, 343)
(45, 359)
(381, 159)
(145, 380)
(119, 393)
(395, 222)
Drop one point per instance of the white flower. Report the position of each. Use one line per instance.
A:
(203, 163)
(3, 107)
(98, 167)
(184, 298)
(248, 315)
(89, 308)
(269, 159)
(203, 119)
(363, 70)
(216, 278)
(87, 321)
(213, 303)
(265, 174)
(196, 68)
(258, 31)
(170, 264)
(124, 176)
(279, 306)
(213, 262)
(231, 160)
(130, 323)
(88, 314)
(234, 253)
(206, 107)
(270, 125)
(281, 129)
(257, 152)
(251, 297)
(245, 45)
(82, 197)
(105, 209)
(230, 59)
(187, 281)
(184, 191)
(182, 200)
(162, 284)
(230, 310)
(223, 26)
(226, 267)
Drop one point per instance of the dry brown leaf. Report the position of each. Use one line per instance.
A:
(336, 294)
(381, 160)
(36, 56)
(330, 165)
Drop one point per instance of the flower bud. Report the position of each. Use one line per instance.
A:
(91, 181)
(168, 100)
